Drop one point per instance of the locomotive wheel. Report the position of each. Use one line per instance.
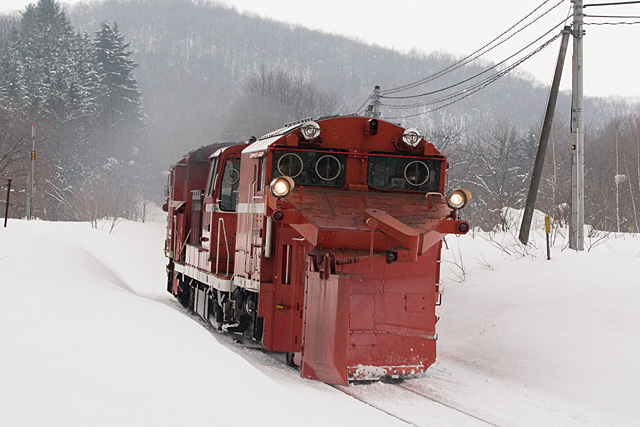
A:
(191, 297)
(170, 277)
(217, 310)
(215, 316)
(182, 297)
(289, 358)
(187, 296)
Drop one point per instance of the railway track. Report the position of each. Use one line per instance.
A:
(440, 402)
(412, 406)
(398, 400)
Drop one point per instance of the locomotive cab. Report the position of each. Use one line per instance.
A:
(202, 197)
(339, 239)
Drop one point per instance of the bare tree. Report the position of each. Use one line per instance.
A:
(611, 204)
(14, 152)
(273, 98)
(496, 171)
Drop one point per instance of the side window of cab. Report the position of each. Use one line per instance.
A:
(230, 184)
(213, 175)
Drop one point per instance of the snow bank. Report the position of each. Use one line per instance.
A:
(560, 334)
(89, 336)
(86, 340)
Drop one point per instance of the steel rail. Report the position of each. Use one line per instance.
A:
(433, 399)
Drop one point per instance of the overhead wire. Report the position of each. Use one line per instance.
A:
(619, 3)
(364, 104)
(479, 52)
(612, 16)
(474, 55)
(471, 90)
(612, 23)
(482, 72)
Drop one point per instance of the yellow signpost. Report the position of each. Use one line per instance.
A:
(547, 230)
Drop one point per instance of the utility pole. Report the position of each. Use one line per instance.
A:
(376, 102)
(576, 229)
(536, 175)
(6, 209)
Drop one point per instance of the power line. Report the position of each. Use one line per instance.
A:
(473, 89)
(481, 73)
(611, 4)
(476, 87)
(364, 104)
(478, 53)
(612, 16)
(612, 23)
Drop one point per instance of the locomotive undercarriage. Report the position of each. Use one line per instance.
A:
(234, 312)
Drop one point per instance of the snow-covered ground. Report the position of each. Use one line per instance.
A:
(89, 337)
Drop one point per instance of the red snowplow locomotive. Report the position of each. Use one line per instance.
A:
(320, 240)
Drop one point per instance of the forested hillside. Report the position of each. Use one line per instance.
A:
(208, 73)
(79, 94)
(196, 57)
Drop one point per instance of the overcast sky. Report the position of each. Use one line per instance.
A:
(611, 61)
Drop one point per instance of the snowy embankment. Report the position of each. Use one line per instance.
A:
(86, 340)
(563, 335)
(89, 336)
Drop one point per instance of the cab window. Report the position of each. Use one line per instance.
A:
(230, 184)
(213, 173)
(313, 167)
(405, 173)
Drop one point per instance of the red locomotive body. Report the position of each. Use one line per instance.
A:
(321, 240)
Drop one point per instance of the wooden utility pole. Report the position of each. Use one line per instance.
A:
(6, 209)
(544, 140)
(576, 229)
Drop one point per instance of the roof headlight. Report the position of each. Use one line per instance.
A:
(458, 198)
(281, 186)
(310, 130)
(411, 137)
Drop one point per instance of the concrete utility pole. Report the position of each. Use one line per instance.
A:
(576, 229)
(376, 102)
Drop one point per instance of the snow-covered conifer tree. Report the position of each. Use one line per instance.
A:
(121, 99)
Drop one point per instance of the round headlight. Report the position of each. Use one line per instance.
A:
(458, 198)
(281, 186)
(310, 130)
(411, 137)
